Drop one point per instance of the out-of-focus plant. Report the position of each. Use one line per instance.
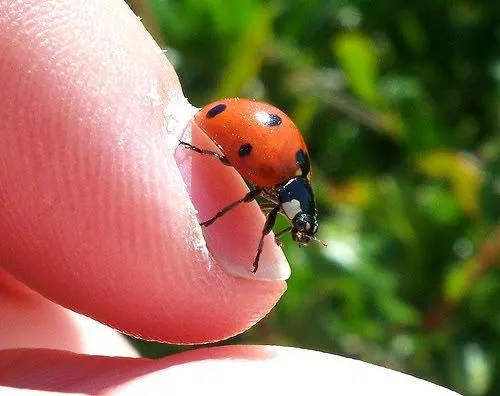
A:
(399, 105)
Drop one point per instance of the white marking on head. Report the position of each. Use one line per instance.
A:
(291, 208)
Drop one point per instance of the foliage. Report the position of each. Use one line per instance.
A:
(399, 103)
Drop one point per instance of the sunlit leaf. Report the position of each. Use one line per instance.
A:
(247, 53)
(457, 281)
(357, 57)
(359, 193)
(439, 203)
(462, 171)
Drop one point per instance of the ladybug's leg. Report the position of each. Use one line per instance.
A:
(268, 226)
(250, 196)
(266, 207)
(280, 234)
(206, 152)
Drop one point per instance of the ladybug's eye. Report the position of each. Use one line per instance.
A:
(300, 224)
(306, 224)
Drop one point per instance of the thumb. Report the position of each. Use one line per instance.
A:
(94, 211)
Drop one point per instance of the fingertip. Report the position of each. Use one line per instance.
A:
(31, 321)
(96, 216)
(222, 370)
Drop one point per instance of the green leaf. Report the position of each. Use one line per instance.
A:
(358, 59)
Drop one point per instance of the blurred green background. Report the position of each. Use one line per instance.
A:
(399, 104)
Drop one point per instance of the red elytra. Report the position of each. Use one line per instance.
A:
(272, 135)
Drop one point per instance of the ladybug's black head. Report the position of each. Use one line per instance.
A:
(304, 228)
(297, 202)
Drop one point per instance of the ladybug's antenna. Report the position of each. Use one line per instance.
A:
(319, 241)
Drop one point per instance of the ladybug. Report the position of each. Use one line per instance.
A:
(263, 144)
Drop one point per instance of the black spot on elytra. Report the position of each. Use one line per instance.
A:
(274, 120)
(216, 110)
(303, 162)
(245, 149)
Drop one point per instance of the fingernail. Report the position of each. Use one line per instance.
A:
(272, 267)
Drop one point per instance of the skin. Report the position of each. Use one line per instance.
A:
(99, 215)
